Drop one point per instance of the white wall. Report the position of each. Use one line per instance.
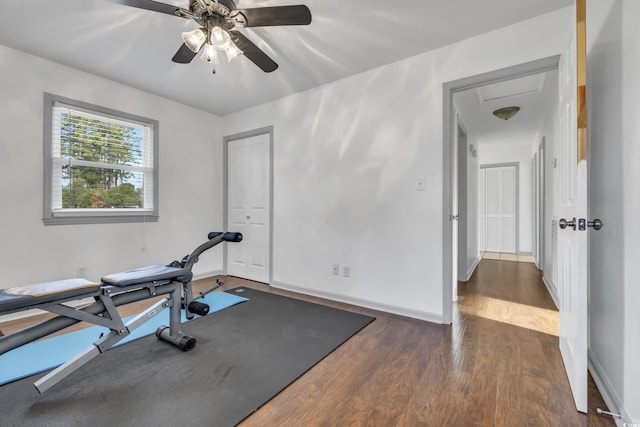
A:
(613, 43)
(190, 180)
(347, 156)
(499, 152)
(631, 136)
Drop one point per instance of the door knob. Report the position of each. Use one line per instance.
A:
(563, 223)
(596, 224)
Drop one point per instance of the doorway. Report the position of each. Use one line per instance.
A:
(450, 161)
(248, 203)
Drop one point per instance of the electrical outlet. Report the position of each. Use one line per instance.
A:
(420, 184)
(81, 271)
(336, 269)
(346, 271)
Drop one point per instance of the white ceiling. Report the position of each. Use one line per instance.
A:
(135, 47)
(533, 94)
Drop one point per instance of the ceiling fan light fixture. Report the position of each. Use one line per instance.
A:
(210, 54)
(194, 39)
(506, 113)
(225, 15)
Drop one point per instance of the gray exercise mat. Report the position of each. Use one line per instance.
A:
(245, 355)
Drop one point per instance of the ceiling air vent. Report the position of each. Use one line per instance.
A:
(527, 85)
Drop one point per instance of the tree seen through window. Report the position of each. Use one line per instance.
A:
(106, 145)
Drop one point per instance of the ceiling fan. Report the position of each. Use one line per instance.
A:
(218, 20)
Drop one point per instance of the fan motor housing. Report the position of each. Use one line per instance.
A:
(224, 6)
(222, 13)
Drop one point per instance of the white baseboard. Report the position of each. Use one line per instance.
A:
(387, 308)
(609, 395)
(472, 269)
(208, 274)
(552, 290)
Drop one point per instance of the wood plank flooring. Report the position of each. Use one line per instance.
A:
(480, 371)
(476, 372)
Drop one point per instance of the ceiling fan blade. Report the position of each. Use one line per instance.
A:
(184, 55)
(276, 15)
(155, 6)
(253, 52)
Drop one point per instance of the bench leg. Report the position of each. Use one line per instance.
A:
(172, 333)
(101, 345)
(58, 374)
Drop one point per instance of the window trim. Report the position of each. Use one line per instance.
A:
(98, 217)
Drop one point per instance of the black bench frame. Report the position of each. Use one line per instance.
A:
(117, 289)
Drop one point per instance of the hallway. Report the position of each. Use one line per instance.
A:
(509, 292)
(506, 307)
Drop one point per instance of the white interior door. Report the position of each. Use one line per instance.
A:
(482, 222)
(499, 221)
(539, 206)
(492, 206)
(571, 208)
(248, 203)
(463, 211)
(454, 214)
(535, 191)
(508, 209)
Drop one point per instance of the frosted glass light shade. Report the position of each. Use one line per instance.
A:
(194, 39)
(210, 53)
(233, 52)
(220, 38)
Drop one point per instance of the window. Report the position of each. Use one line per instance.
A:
(100, 165)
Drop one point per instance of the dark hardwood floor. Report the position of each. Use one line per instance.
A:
(498, 364)
(476, 372)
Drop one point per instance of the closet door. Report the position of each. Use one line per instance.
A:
(492, 203)
(249, 189)
(508, 209)
(499, 224)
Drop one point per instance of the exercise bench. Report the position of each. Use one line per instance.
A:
(173, 280)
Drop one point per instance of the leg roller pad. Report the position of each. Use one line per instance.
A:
(198, 308)
(184, 342)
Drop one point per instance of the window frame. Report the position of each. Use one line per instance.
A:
(99, 216)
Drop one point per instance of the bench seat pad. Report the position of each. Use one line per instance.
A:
(151, 273)
(23, 297)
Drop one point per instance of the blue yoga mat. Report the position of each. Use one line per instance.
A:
(49, 353)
